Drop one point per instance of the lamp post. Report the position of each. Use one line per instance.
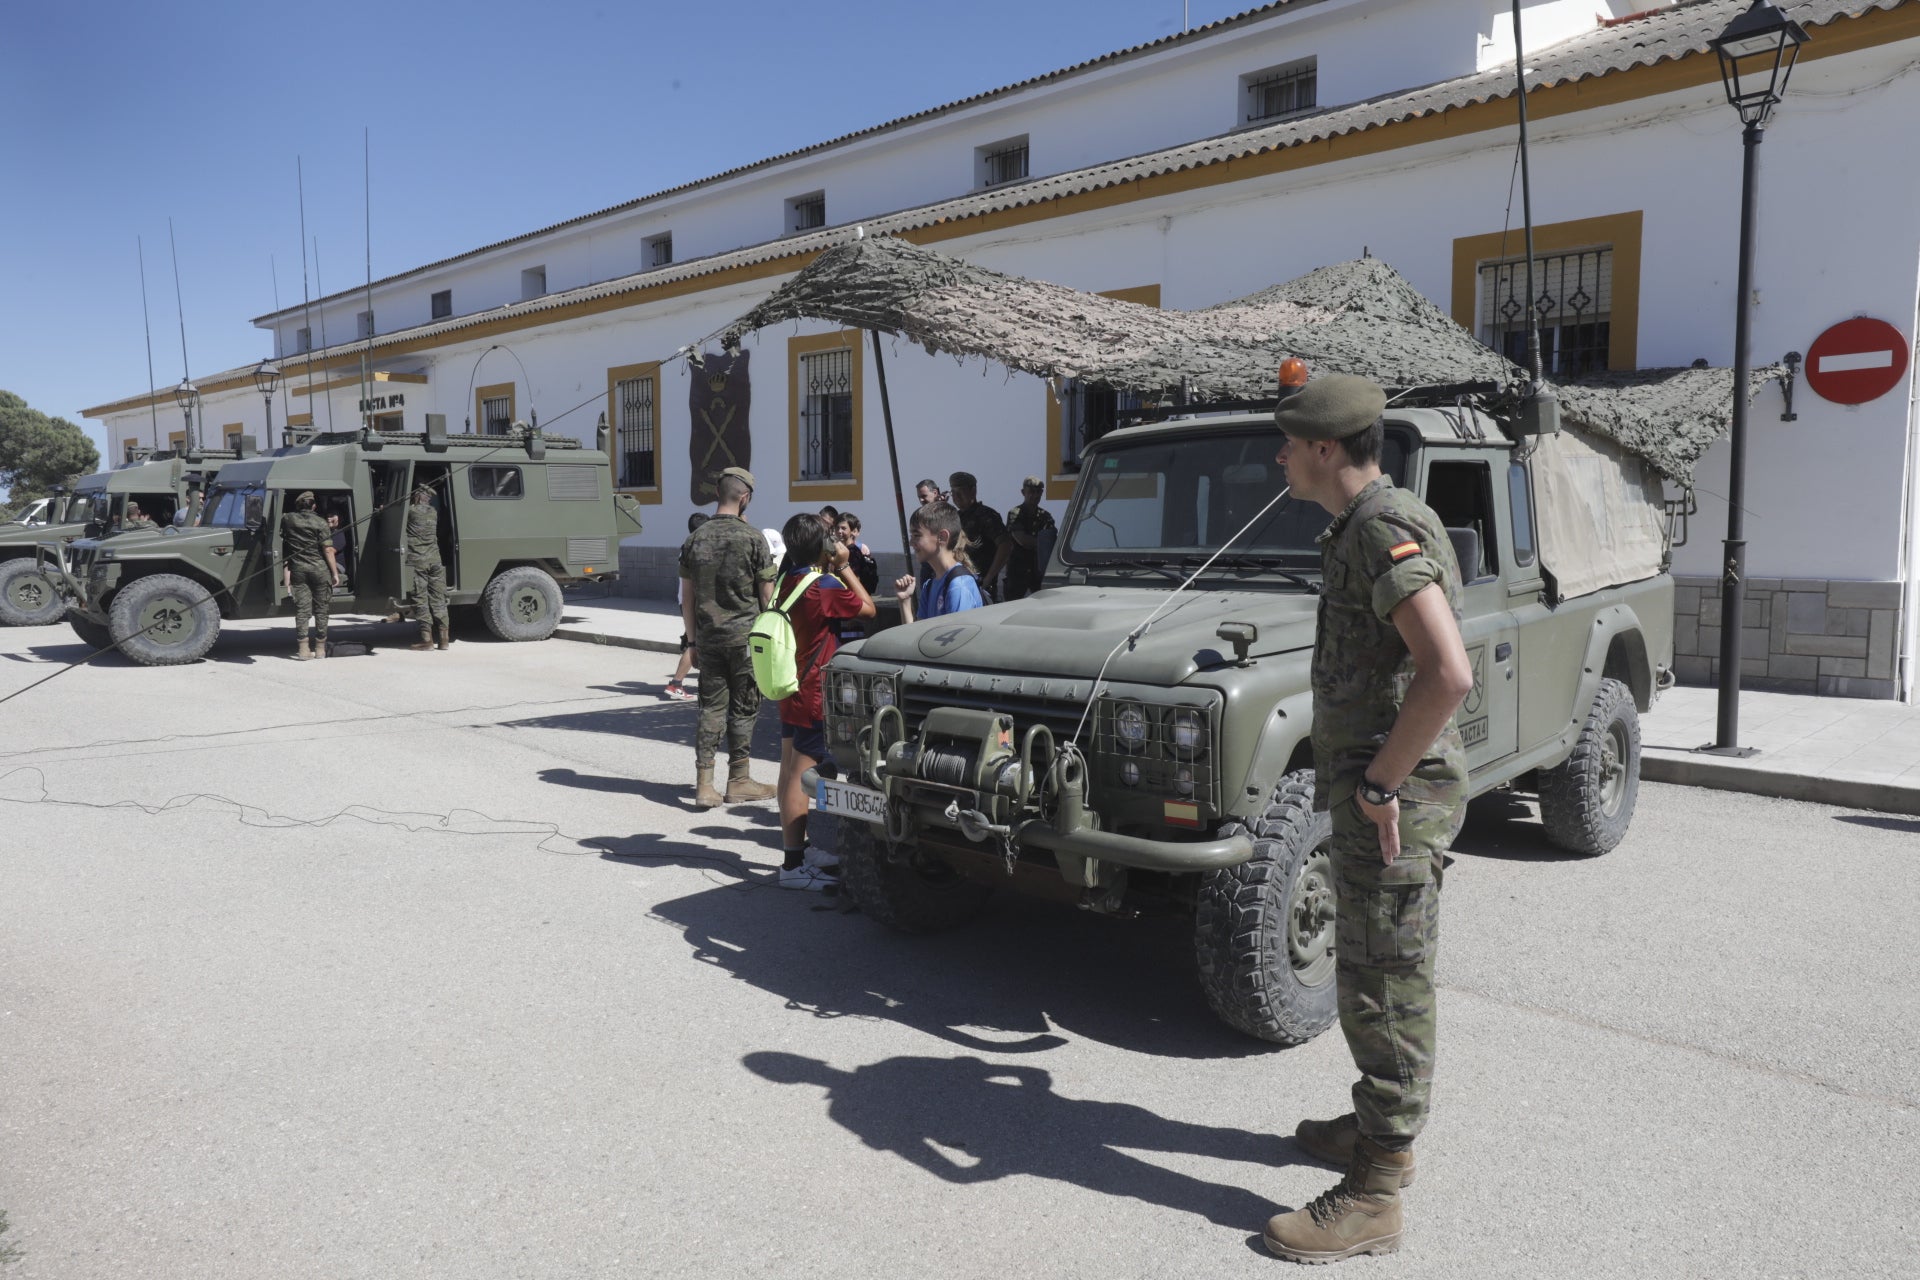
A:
(186, 395)
(1757, 52)
(266, 377)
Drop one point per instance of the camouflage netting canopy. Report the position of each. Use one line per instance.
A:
(1359, 317)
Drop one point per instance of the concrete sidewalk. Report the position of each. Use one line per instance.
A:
(1857, 752)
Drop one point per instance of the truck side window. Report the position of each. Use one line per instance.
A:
(494, 482)
(1461, 494)
(1520, 494)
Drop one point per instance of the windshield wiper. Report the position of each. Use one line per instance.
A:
(1152, 565)
(1267, 564)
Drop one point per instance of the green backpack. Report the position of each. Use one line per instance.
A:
(772, 644)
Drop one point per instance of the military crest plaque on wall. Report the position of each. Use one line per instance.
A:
(719, 396)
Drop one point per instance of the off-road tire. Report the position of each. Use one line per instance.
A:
(27, 598)
(901, 895)
(1587, 802)
(164, 620)
(1263, 930)
(91, 633)
(522, 603)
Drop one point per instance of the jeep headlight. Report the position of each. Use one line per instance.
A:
(881, 691)
(1187, 731)
(1130, 725)
(1183, 782)
(846, 692)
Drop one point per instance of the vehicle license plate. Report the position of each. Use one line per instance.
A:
(850, 801)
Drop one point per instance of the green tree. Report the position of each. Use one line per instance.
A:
(38, 452)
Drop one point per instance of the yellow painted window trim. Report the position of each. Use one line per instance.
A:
(1061, 486)
(650, 495)
(822, 491)
(299, 420)
(1621, 231)
(493, 391)
(176, 439)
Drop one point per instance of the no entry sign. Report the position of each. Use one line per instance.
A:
(1856, 361)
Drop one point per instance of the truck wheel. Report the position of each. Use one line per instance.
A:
(908, 897)
(27, 599)
(91, 633)
(522, 603)
(1587, 802)
(1263, 930)
(164, 620)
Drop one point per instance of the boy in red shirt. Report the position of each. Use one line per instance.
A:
(803, 741)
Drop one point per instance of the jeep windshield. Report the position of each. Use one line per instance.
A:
(1177, 498)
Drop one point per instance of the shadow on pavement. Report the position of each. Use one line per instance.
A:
(1502, 826)
(1883, 821)
(964, 1120)
(662, 721)
(1011, 982)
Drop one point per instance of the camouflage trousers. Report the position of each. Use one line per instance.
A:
(729, 701)
(312, 588)
(429, 593)
(1387, 932)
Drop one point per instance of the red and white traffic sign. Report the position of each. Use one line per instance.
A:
(1857, 360)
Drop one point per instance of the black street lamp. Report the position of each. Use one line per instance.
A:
(1757, 52)
(186, 395)
(266, 377)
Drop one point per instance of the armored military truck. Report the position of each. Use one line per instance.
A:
(1114, 739)
(164, 484)
(522, 514)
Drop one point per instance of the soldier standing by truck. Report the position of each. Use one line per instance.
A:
(429, 573)
(1389, 671)
(726, 577)
(311, 574)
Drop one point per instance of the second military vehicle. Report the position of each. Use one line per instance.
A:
(520, 515)
(1115, 740)
(164, 484)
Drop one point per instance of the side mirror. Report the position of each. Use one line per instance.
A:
(1241, 636)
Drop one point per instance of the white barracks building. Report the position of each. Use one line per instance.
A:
(1203, 167)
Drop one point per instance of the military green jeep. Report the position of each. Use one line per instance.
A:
(522, 514)
(164, 484)
(1113, 739)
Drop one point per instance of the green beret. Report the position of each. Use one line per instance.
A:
(1331, 407)
(741, 474)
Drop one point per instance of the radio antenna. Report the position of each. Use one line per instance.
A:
(153, 398)
(306, 302)
(320, 289)
(366, 190)
(193, 431)
(1540, 408)
(285, 407)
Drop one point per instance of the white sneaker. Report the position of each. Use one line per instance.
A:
(804, 877)
(820, 859)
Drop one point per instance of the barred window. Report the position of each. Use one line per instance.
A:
(1088, 410)
(1573, 298)
(658, 250)
(363, 323)
(443, 304)
(303, 340)
(633, 398)
(804, 213)
(1002, 162)
(826, 415)
(496, 415)
(1279, 92)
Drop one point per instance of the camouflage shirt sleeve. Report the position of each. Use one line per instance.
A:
(764, 569)
(1400, 559)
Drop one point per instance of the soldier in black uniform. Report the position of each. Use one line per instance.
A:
(429, 574)
(987, 543)
(1031, 529)
(311, 573)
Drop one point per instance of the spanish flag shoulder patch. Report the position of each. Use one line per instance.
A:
(1401, 550)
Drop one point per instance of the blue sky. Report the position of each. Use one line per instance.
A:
(487, 119)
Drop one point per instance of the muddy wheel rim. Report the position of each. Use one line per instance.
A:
(1613, 769)
(29, 593)
(1310, 917)
(167, 620)
(527, 604)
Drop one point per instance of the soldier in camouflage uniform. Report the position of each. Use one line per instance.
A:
(310, 573)
(429, 574)
(136, 519)
(1389, 671)
(726, 576)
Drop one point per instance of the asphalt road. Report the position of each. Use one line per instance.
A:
(421, 965)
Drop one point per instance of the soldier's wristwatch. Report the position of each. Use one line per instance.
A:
(1375, 794)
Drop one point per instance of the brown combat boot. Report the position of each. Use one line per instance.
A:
(301, 652)
(741, 788)
(320, 645)
(426, 638)
(445, 632)
(1331, 1142)
(1360, 1214)
(704, 796)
